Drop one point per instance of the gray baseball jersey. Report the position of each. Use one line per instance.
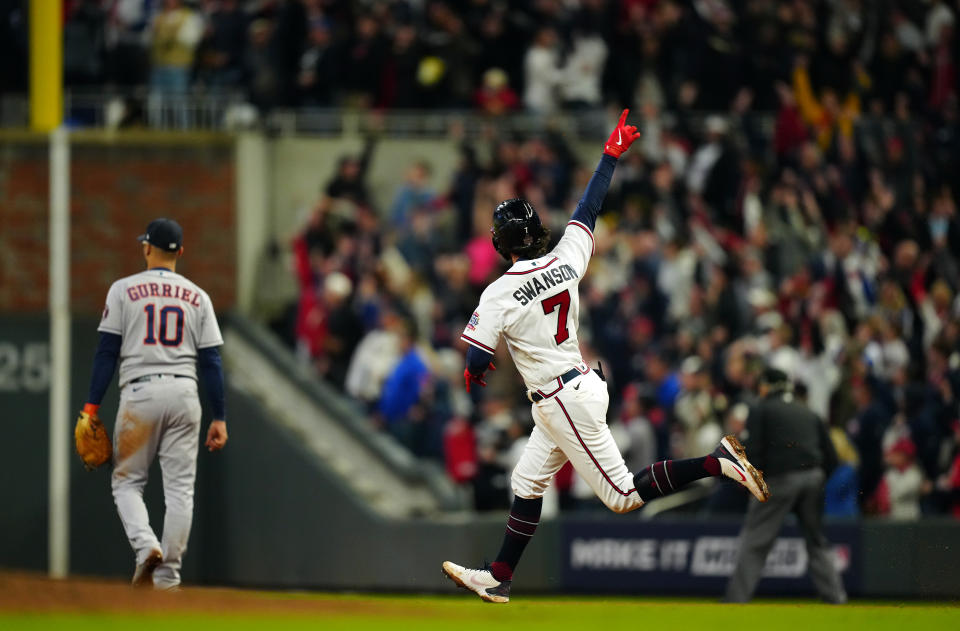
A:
(164, 319)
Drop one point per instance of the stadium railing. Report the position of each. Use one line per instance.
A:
(348, 414)
(230, 111)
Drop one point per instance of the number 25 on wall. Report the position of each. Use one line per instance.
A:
(24, 369)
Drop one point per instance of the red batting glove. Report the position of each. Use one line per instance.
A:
(469, 377)
(621, 138)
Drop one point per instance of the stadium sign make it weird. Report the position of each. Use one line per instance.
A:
(690, 557)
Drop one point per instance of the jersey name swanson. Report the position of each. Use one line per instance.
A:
(533, 287)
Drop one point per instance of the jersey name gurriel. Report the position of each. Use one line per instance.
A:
(163, 290)
(546, 280)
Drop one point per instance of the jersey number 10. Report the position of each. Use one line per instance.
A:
(164, 333)
(550, 305)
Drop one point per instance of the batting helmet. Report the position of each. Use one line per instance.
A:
(517, 230)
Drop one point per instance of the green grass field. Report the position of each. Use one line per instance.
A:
(460, 611)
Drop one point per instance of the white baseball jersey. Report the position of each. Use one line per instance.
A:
(164, 319)
(535, 307)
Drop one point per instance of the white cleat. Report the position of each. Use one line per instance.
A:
(734, 465)
(480, 582)
(143, 575)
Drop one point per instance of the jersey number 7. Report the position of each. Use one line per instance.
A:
(550, 305)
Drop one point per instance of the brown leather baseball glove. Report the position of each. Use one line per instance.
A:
(93, 443)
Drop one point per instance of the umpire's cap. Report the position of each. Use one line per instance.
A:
(163, 233)
(775, 378)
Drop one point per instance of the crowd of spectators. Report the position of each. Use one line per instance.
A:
(809, 223)
(498, 56)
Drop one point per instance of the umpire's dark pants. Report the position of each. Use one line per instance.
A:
(801, 492)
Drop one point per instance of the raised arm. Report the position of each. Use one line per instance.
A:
(590, 204)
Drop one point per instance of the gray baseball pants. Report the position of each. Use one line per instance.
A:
(802, 493)
(160, 419)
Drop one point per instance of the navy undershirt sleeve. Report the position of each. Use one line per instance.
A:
(478, 360)
(104, 363)
(589, 207)
(211, 371)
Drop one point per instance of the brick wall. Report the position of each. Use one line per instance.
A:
(116, 189)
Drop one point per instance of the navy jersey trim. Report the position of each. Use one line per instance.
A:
(481, 345)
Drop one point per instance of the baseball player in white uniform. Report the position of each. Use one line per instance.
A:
(161, 327)
(534, 307)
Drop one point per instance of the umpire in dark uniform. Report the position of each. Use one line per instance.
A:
(790, 444)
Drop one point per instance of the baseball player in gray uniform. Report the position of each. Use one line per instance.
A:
(534, 307)
(161, 327)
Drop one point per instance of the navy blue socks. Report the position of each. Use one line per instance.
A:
(665, 477)
(522, 523)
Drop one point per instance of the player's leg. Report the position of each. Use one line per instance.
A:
(540, 461)
(728, 460)
(759, 531)
(576, 419)
(668, 476)
(809, 509)
(177, 452)
(135, 437)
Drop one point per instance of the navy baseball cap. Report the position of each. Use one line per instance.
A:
(165, 234)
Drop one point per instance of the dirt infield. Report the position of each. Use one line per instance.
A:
(31, 602)
(35, 593)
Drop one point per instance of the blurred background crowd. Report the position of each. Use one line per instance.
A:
(539, 55)
(792, 203)
(810, 224)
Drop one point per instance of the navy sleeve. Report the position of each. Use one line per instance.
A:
(477, 360)
(211, 371)
(589, 207)
(104, 363)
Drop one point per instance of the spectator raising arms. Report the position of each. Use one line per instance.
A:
(175, 33)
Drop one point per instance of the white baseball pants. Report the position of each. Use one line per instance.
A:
(572, 425)
(157, 419)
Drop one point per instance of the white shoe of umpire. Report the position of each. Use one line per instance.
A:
(480, 582)
(734, 465)
(143, 575)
